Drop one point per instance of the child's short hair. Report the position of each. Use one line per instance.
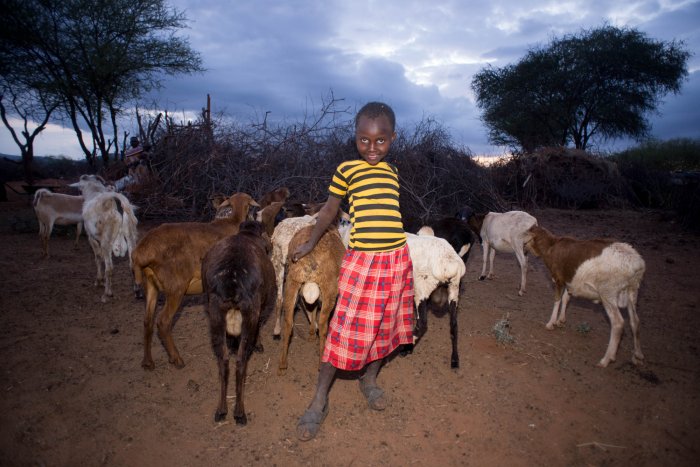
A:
(374, 110)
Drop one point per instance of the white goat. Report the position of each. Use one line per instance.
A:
(600, 270)
(59, 209)
(111, 226)
(504, 232)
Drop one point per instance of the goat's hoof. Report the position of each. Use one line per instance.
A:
(281, 371)
(481, 278)
(218, 416)
(276, 337)
(146, 365)
(454, 364)
(549, 326)
(259, 348)
(241, 419)
(638, 359)
(178, 363)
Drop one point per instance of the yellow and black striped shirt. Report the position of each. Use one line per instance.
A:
(373, 194)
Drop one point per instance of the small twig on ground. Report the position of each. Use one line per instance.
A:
(600, 446)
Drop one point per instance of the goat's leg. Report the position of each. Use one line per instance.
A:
(44, 234)
(637, 355)
(492, 255)
(165, 325)
(98, 261)
(279, 275)
(291, 291)
(522, 260)
(251, 317)
(616, 326)
(109, 266)
(151, 302)
(78, 231)
(485, 250)
(555, 309)
(565, 297)
(218, 335)
(454, 360)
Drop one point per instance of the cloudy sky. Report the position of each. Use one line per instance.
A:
(284, 57)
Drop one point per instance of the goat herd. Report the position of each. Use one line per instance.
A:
(242, 266)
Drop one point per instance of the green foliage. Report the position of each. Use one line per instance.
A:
(596, 84)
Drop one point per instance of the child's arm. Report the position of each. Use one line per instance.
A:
(323, 220)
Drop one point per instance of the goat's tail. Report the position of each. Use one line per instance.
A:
(38, 194)
(128, 231)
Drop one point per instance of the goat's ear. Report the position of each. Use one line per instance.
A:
(253, 204)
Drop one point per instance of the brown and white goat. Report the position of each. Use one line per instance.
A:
(111, 226)
(168, 259)
(239, 281)
(313, 279)
(278, 194)
(600, 270)
(57, 209)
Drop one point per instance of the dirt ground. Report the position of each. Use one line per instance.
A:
(74, 393)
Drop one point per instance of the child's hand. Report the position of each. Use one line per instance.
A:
(301, 251)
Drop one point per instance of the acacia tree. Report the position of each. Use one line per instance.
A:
(96, 55)
(599, 83)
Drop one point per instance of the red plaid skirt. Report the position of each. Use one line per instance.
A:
(374, 312)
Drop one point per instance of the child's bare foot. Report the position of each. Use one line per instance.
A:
(374, 395)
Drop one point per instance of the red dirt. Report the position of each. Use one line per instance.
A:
(74, 392)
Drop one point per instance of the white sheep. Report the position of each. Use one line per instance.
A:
(504, 232)
(600, 270)
(436, 267)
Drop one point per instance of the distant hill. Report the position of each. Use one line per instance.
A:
(44, 167)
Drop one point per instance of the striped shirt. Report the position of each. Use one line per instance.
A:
(373, 194)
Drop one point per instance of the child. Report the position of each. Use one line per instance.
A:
(374, 311)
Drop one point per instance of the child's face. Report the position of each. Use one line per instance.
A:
(373, 138)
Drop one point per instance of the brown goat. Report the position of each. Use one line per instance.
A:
(600, 270)
(239, 281)
(315, 278)
(279, 194)
(269, 215)
(168, 259)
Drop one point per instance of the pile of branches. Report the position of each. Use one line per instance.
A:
(191, 163)
(562, 178)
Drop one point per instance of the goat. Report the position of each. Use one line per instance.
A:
(59, 209)
(279, 194)
(600, 270)
(111, 226)
(456, 231)
(315, 278)
(283, 234)
(270, 216)
(436, 266)
(239, 282)
(168, 259)
(504, 232)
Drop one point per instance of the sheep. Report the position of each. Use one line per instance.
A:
(239, 283)
(168, 259)
(56, 208)
(315, 278)
(456, 231)
(504, 232)
(111, 226)
(600, 270)
(436, 267)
